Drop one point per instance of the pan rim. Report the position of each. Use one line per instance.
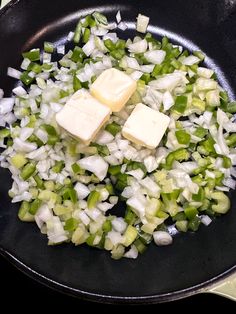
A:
(115, 299)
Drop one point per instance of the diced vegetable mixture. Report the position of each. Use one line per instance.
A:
(70, 188)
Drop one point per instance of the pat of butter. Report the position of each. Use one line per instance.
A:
(145, 126)
(83, 116)
(113, 88)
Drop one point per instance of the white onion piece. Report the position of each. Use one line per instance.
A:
(6, 105)
(104, 138)
(162, 238)
(13, 73)
(112, 36)
(136, 75)
(25, 196)
(132, 253)
(95, 164)
(115, 237)
(155, 56)
(151, 187)
(89, 46)
(150, 163)
(25, 133)
(137, 173)
(104, 206)
(70, 36)
(119, 225)
(123, 26)
(138, 203)
(22, 146)
(229, 182)
(142, 23)
(81, 190)
(204, 72)
(138, 47)
(61, 49)
(166, 82)
(118, 17)
(84, 218)
(19, 91)
(190, 60)
(206, 220)
(168, 100)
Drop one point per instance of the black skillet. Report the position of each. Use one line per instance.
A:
(195, 261)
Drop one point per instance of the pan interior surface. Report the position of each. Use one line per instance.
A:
(194, 258)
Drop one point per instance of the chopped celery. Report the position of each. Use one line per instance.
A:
(130, 235)
(49, 185)
(199, 197)
(231, 140)
(182, 225)
(130, 216)
(32, 55)
(28, 171)
(24, 214)
(49, 129)
(58, 166)
(39, 182)
(48, 47)
(34, 206)
(200, 132)
(49, 196)
(180, 103)
(102, 149)
(78, 33)
(26, 79)
(90, 239)
(70, 193)
(117, 54)
(180, 154)
(113, 128)
(4, 133)
(18, 160)
(109, 44)
(193, 224)
(77, 169)
(170, 203)
(190, 212)
(76, 83)
(140, 246)
(77, 55)
(86, 35)
(109, 188)
(179, 216)
(222, 202)
(121, 181)
(100, 18)
(182, 137)
(35, 67)
(71, 224)
(107, 226)
(93, 199)
(61, 209)
(226, 162)
(114, 170)
(207, 147)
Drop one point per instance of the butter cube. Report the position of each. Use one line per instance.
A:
(83, 116)
(113, 88)
(145, 126)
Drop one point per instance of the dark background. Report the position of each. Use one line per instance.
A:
(20, 289)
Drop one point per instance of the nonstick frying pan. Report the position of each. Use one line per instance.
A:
(196, 262)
